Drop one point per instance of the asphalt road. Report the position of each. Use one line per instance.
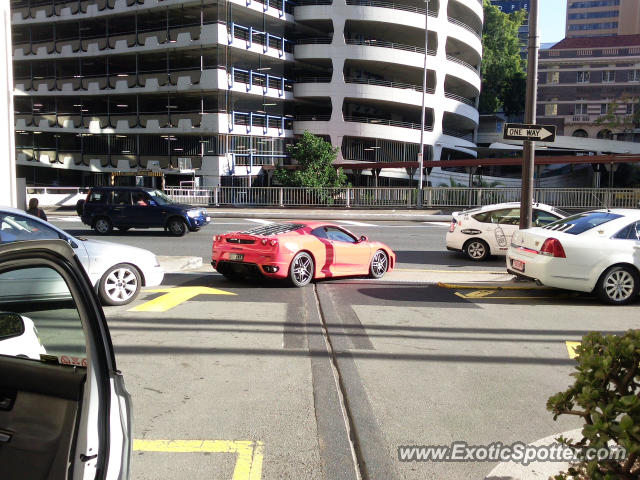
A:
(417, 244)
(255, 380)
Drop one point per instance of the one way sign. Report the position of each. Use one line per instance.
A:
(537, 133)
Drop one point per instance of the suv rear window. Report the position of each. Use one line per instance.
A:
(582, 222)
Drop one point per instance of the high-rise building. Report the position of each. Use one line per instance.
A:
(597, 18)
(510, 6)
(217, 89)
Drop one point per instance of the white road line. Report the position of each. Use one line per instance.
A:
(438, 224)
(65, 219)
(258, 220)
(356, 224)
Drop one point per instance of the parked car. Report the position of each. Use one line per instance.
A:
(485, 231)
(116, 271)
(138, 207)
(596, 251)
(301, 252)
(64, 408)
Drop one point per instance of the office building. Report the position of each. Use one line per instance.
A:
(599, 18)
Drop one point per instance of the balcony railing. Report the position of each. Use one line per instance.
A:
(395, 6)
(462, 62)
(265, 39)
(386, 44)
(389, 123)
(453, 96)
(259, 79)
(386, 83)
(465, 26)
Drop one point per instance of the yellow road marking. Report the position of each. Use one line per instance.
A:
(489, 287)
(248, 464)
(571, 348)
(175, 296)
(471, 296)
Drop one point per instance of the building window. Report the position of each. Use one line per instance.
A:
(594, 26)
(581, 109)
(583, 77)
(609, 76)
(604, 108)
(634, 76)
(551, 109)
(629, 108)
(553, 77)
(581, 133)
(595, 3)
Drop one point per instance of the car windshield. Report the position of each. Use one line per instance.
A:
(160, 197)
(582, 222)
(559, 212)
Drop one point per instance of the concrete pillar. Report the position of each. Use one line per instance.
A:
(8, 192)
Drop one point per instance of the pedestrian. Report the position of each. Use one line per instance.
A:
(35, 211)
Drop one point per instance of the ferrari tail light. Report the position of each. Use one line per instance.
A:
(264, 241)
(552, 248)
(217, 238)
(273, 242)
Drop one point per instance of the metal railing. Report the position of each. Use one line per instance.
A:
(406, 197)
(451, 58)
(386, 44)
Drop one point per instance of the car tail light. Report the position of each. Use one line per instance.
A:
(552, 248)
(264, 241)
(273, 242)
(217, 238)
(452, 227)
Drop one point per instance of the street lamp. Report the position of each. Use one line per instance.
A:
(424, 94)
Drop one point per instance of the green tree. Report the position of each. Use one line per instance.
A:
(621, 122)
(503, 77)
(315, 158)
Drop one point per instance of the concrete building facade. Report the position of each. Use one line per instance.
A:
(590, 87)
(216, 90)
(598, 18)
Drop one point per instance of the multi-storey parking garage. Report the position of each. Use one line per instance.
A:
(105, 87)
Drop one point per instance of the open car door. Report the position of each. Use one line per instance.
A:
(64, 410)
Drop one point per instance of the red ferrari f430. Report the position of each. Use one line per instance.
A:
(301, 252)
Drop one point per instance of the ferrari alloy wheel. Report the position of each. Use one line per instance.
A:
(119, 285)
(618, 285)
(301, 269)
(379, 264)
(476, 249)
(103, 225)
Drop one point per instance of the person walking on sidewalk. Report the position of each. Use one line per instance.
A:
(35, 211)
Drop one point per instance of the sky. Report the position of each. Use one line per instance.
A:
(551, 23)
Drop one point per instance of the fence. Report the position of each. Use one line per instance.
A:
(570, 198)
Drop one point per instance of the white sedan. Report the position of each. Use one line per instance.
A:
(487, 230)
(596, 251)
(19, 337)
(116, 271)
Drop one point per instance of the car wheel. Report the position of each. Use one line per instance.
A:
(176, 227)
(379, 264)
(301, 269)
(476, 249)
(618, 285)
(123, 229)
(119, 285)
(103, 225)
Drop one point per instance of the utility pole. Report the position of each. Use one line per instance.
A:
(424, 94)
(529, 149)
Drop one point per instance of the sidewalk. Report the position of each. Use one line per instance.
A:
(306, 214)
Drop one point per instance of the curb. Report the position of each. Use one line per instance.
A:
(179, 263)
(505, 285)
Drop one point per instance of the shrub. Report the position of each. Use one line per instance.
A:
(606, 395)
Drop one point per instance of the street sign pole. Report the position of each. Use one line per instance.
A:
(528, 151)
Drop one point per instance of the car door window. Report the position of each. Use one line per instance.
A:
(15, 228)
(121, 198)
(320, 232)
(337, 235)
(542, 217)
(38, 317)
(509, 216)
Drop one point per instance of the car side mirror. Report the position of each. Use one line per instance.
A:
(363, 238)
(11, 325)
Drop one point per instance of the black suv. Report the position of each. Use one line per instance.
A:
(138, 207)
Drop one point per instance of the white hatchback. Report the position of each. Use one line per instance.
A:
(485, 231)
(116, 271)
(595, 251)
